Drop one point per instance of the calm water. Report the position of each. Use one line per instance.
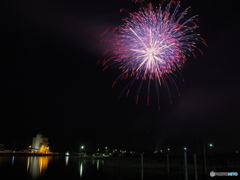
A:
(70, 168)
(49, 167)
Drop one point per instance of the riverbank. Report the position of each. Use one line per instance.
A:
(25, 153)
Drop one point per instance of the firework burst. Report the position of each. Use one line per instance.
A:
(152, 46)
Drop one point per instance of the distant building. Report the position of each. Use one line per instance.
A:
(1, 147)
(40, 144)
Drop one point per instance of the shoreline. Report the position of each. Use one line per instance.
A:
(15, 153)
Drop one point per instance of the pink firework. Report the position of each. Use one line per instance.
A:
(152, 45)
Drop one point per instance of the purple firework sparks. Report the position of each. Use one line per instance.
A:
(152, 45)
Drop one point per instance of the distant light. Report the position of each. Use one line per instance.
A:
(168, 149)
(185, 148)
(161, 150)
(211, 145)
(82, 147)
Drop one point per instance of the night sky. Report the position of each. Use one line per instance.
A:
(50, 81)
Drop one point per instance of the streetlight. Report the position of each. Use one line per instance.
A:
(210, 146)
(82, 147)
(185, 149)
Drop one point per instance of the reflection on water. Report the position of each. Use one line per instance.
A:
(81, 169)
(88, 166)
(97, 164)
(66, 160)
(74, 168)
(48, 167)
(37, 165)
(13, 160)
(85, 166)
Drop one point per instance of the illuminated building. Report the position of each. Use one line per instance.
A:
(40, 144)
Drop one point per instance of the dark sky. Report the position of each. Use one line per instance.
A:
(50, 81)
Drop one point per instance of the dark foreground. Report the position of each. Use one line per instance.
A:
(132, 167)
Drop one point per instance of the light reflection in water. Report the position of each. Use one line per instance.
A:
(37, 165)
(67, 159)
(85, 164)
(13, 160)
(98, 164)
(81, 169)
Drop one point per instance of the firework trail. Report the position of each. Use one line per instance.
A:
(152, 45)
